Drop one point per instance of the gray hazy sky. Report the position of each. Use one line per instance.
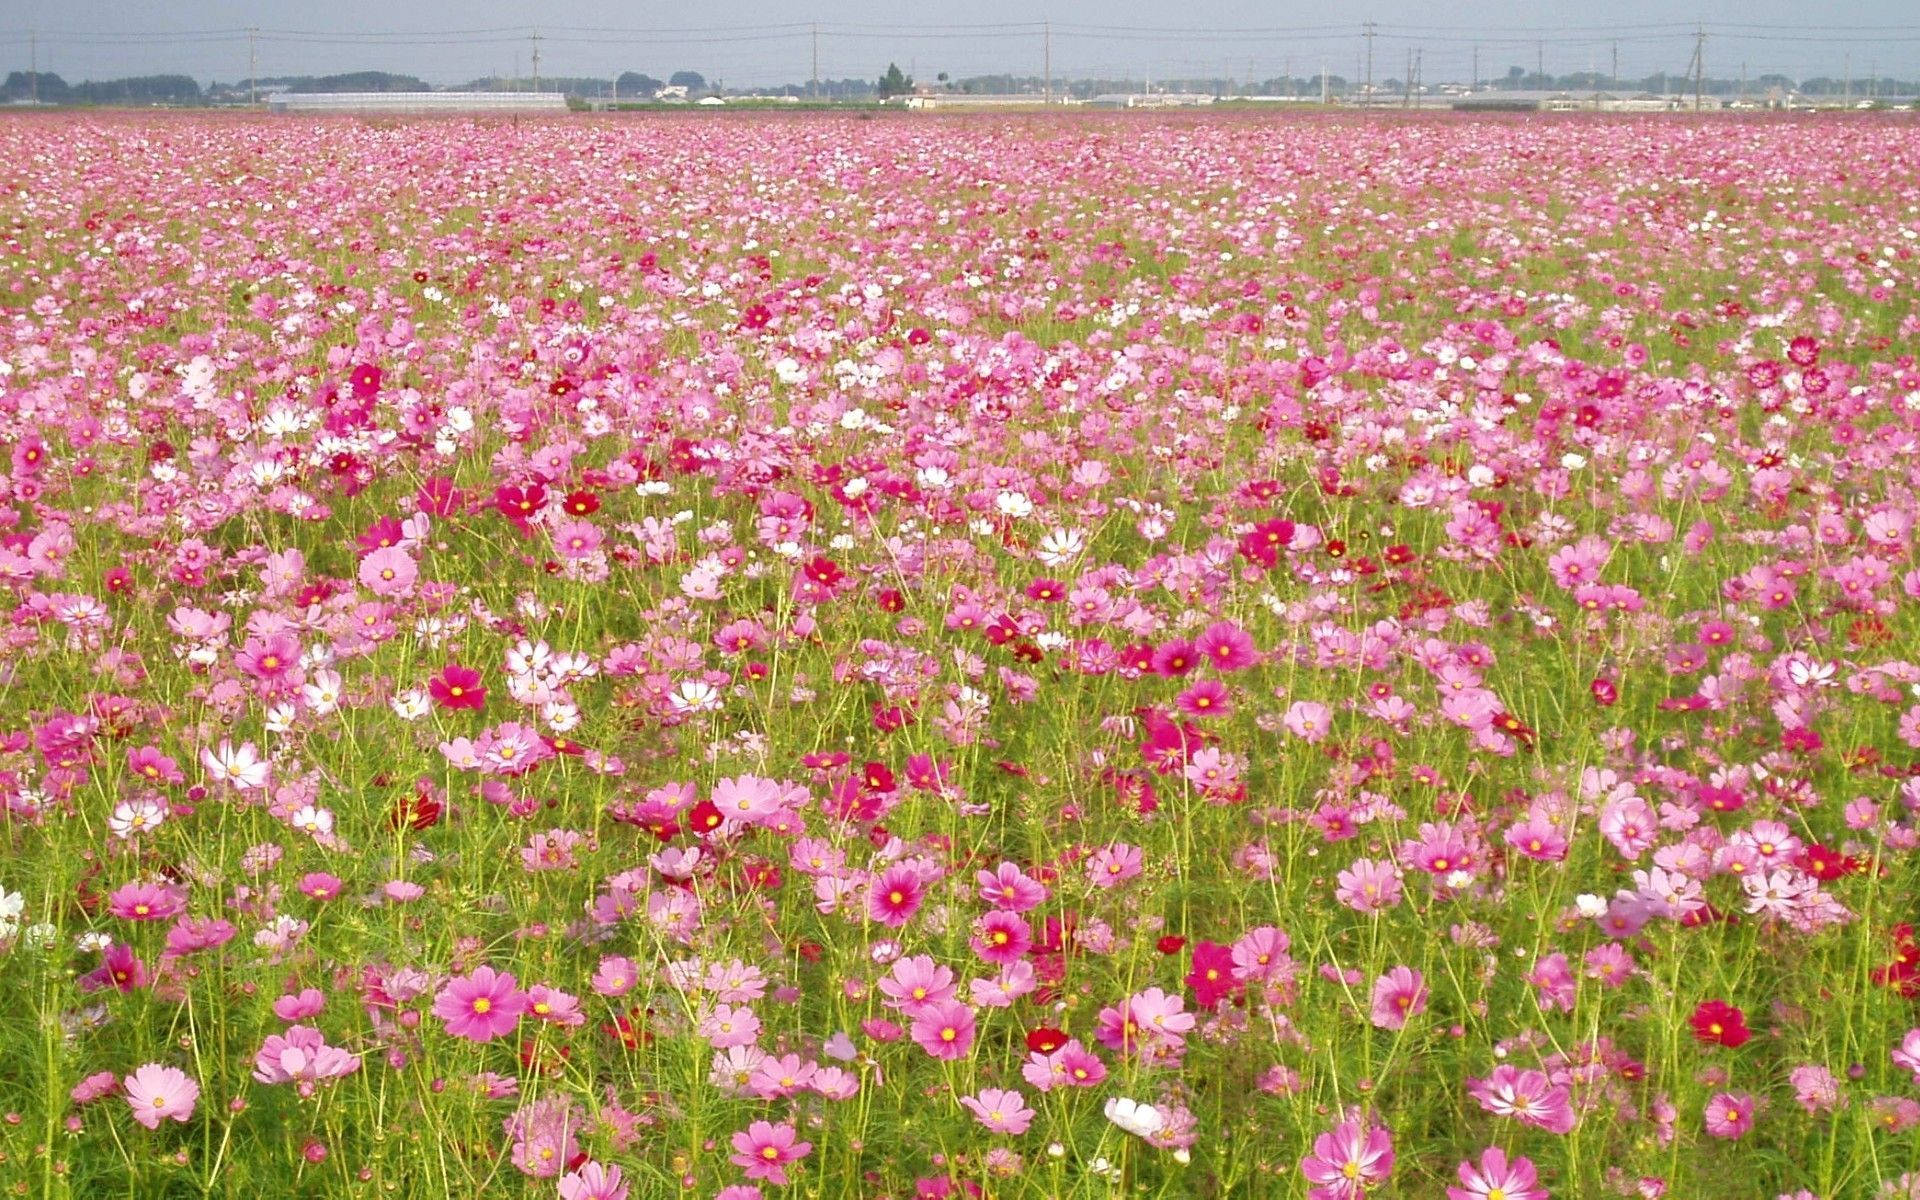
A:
(750, 42)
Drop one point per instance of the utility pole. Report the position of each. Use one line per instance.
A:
(33, 66)
(1419, 70)
(1406, 100)
(1369, 89)
(1475, 85)
(253, 68)
(1846, 97)
(1613, 78)
(816, 59)
(536, 60)
(1048, 25)
(1326, 85)
(1699, 62)
(1540, 62)
(1743, 82)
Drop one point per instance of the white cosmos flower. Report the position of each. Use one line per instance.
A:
(1014, 504)
(131, 817)
(1134, 1117)
(411, 704)
(696, 696)
(1061, 547)
(309, 819)
(12, 905)
(322, 693)
(242, 768)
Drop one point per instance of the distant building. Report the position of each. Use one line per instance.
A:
(673, 91)
(416, 102)
(1525, 100)
(1153, 100)
(957, 100)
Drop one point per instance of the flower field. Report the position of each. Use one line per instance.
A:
(996, 657)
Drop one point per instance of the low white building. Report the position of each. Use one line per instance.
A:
(1153, 100)
(416, 102)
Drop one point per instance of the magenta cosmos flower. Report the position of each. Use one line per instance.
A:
(147, 902)
(158, 1092)
(1347, 1160)
(480, 1006)
(1729, 1114)
(458, 687)
(1399, 994)
(1496, 1178)
(764, 1149)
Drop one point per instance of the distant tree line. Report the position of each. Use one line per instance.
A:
(50, 88)
(138, 89)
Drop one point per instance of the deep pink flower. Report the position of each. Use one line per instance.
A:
(764, 1149)
(480, 1006)
(896, 895)
(147, 902)
(1729, 1114)
(1399, 994)
(1347, 1160)
(458, 687)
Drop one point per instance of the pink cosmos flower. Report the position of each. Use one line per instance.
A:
(1496, 1178)
(1399, 994)
(301, 1055)
(1226, 646)
(1261, 956)
(157, 1092)
(1525, 1095)
(1347, 1160)
(615, 976)
(1907, 1054)
(1008, 887)
(593, 1181)
(1113, 865)
(1002, 1110)
(896, 895)
(480, 1006)
(1152, 1013)
(764, 1149)
(916, 983)
(390, 571)
(944, 1029)
(1369, 886)
(1729, 1114)
(1072, 1065)
(728, 1025)
(1001, 938)
(298, 1006)
(147, 902)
